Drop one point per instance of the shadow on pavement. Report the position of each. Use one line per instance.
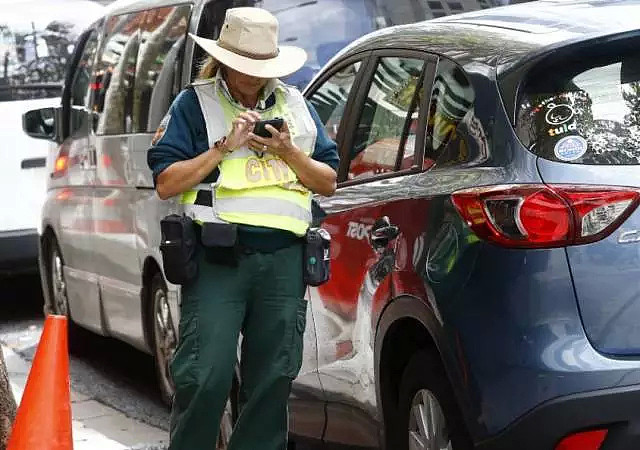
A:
(21, 299)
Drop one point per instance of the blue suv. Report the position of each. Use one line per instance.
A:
(485, 287)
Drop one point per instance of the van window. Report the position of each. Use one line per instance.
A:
(80, 88)
(80, 92)
(586, 110)
(158, 65)
(385, 136)
(115, 74)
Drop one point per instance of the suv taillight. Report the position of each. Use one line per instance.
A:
(535, 216)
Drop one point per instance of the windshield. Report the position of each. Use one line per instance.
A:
(36, 43)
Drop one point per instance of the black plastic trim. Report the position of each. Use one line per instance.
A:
(543, 427)
(33, 163)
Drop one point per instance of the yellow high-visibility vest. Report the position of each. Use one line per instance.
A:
(254, 189)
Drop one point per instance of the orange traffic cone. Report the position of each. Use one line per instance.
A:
(43, 421)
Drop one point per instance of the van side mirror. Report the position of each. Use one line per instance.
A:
(40, 123)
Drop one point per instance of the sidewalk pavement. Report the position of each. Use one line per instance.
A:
(95, 425)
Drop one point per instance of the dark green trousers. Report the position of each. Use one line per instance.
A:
(263, 297)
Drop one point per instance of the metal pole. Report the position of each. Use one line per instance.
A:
(35, 40)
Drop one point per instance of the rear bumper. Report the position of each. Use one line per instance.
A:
(543, 427)
(18, 252)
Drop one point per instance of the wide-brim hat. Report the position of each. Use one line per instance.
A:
(248, 43)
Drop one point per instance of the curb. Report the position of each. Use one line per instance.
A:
(95, 426)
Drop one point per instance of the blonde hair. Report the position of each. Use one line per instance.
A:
(209, 68)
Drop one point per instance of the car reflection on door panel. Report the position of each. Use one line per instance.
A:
(362, 220)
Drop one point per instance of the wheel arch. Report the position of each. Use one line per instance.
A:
(407, 325)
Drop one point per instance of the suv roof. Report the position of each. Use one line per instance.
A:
(506, 36)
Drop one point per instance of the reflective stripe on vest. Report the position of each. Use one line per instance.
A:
(253, 189)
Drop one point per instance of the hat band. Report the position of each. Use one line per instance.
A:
(237, 51)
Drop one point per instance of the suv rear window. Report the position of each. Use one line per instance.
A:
(585, 108)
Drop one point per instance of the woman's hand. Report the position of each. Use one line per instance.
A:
(316, 176)
(278, 144)
(241, 129)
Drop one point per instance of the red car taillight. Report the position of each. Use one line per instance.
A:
(536, 216)
(586, 440)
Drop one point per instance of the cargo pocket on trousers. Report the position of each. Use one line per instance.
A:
(184, 366)
(296, 350)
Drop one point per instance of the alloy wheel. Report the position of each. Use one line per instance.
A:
(166, 339)
(226, 427)
(427, 423)
(59, 285)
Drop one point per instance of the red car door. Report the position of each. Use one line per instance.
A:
(380, 147)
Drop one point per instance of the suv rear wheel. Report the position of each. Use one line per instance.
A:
(429, 415)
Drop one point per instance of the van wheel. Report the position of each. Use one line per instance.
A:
(164, 337)
(59, 297)
(226, 424)
(165, 341)
(429, 415)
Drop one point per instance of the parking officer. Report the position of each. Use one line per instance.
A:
(264, 185)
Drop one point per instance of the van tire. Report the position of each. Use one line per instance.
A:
(424, 378)
(164, 337)
(158, 293)
(76, 336)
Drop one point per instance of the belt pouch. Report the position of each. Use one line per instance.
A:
(317, 257)
(219, 240)
(178, 248)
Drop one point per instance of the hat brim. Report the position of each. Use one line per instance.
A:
(289, 59)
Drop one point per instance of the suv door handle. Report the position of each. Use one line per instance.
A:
(382, 232)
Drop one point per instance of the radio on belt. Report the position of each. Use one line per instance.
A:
(317, 257)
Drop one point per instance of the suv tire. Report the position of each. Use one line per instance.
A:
(424, 388)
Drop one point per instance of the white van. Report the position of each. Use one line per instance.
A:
(36, 42)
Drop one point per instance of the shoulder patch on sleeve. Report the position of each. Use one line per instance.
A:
(162, 128)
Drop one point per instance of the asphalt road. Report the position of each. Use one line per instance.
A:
(106, 370)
